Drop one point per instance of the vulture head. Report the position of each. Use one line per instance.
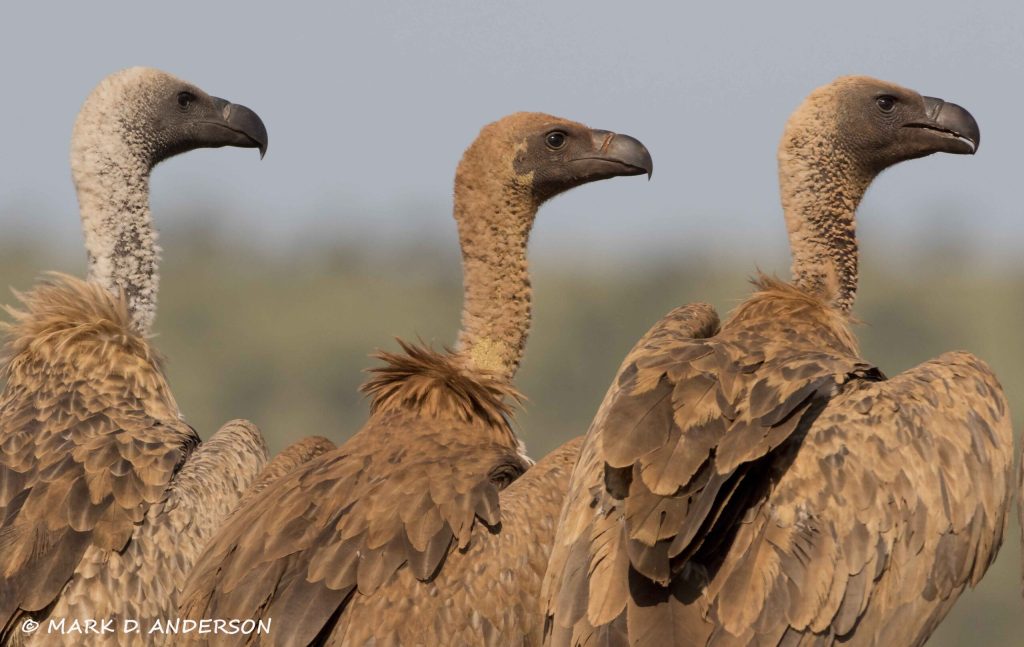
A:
(877, 124)
(146, 115)
(539, 156)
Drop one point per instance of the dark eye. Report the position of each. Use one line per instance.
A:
(503, 475)
(555, 139)
(886, 103)
(185, 100)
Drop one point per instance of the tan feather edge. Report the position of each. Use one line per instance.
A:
(772, 287)
(438, 383)
(67, 307)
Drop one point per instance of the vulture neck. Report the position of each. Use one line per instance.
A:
(112, 183)
(494, 229)
(821, 188)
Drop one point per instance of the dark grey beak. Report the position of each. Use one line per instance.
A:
(246, 124)
(624, 151)
(953, 121)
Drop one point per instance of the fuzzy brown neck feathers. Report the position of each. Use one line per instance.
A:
(111, 174)
(494, 216)
(821, 188)
(494, 208)
(122, 251)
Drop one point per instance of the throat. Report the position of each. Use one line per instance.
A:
(820, 196)
(496, 311)
(120, 241)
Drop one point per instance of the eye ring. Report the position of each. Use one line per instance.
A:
(886, 102)
(556, 139)
(185, 100)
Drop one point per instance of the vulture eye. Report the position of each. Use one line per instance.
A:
(555, 139)
(503, 475)
(185, 100)
(886, 102)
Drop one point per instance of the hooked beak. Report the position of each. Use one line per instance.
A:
(243, 127)
(957, 127)
(614, 155)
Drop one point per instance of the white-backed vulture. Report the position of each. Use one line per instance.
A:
(406, 497)
(760, 483)
(106, 495)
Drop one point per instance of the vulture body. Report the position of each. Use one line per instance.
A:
(759, 483)
(106, 495)
(403, 506)
(294, 455)
(489, 595)
(143, 582)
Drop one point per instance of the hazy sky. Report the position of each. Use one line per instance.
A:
(370, 104)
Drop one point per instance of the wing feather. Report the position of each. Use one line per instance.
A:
(91, 438)
(826, 500)
(342, 525)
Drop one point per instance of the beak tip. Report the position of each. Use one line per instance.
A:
(648, 162)
(247, 122)
(956, 120)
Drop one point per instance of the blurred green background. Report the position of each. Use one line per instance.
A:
(281, 337)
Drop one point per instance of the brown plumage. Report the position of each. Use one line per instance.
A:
(438, 384)
(416, 491)
(760, 483)
(487, 595)
(143, 581)
(91, 438)
(92, 444)
(293, 455)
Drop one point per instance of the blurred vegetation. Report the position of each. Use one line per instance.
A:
(281, 338)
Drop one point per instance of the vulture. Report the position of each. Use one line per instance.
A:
(106, 495)
(400, 511)
(758, 482)
(487, 595)
(294, 455)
